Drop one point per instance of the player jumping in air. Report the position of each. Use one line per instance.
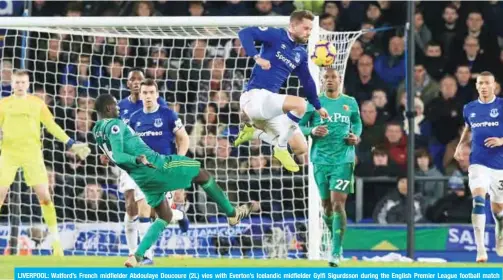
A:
(20, 117)
(484, 118)
(333, 155)
(159, 127)
(283, 52)
(155, 174)
(137, 218)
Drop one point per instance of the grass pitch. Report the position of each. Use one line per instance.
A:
(8, 263)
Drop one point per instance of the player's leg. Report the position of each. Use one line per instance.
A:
(497, 210)
(176, 200)
(211, 188)
(341, 184)
(479, 180)
(321, 179)
(131, 220)
(144, 222)
(35, 175)
(164, 216)
(277, 126)
(8, 169)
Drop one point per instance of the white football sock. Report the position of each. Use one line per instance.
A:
(177, 216)
(262, 135)
(498, 219)
(143, 226)
(479, 224)
(131, 230)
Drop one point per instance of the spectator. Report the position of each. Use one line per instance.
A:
(396, 143)
(371, 41)
(366, 82)
(391, 67)
(422, 33)
(450, 27)
(455, 207)
(446, 115)
(351, 66)
(380, 100)
(196, 9)
(95, 205)
(351, 14)
(422, 127)
(48, 99)
(327, 22)
(48, 67)
(81, 75)
(233, 8)
(472, 56)
(206, 123)
(430, 190)
(374, 15)
(63, 109)
(487, 41)
(205, 148)
(264, 8)
(466, 87)
(144, 9)
(223, 162)
(332, 9)
(392, 209)
(434, 61)
(6, 68)
(113, 81)
(372, 131)
(426, 87)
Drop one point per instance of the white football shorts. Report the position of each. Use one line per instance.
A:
(491, 180)
(261, 104)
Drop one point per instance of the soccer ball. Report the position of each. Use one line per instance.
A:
(324, 53)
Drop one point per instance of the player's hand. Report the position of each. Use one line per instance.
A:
(263, 63)
(493, 142)
(104, 160)
(323, 113)
(320, 131)
(142, 159)
(82, 150)
(352, 139)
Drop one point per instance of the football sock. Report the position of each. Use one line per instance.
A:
(328, 222)
(49, 213)
(131, 229)
(143, 226)
(150, 237)
(217, 195)
(479, 222)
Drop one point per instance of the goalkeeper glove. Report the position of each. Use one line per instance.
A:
(82, 150)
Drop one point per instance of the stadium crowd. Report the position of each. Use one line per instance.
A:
(202, 80)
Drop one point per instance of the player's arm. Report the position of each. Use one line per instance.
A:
(181, 137)
(248, 36)
(356, 124)
(1, 124)
(115, 133)
(305, 124)
(465, 136)
(307, 82)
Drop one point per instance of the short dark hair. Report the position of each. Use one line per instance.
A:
(433, 44)
(300, 15)
(148, 82)
(379, 150)
(102, 102)
(393, 123)
(452, 7)
(325, 16)
(20, 72)
(135, 70)
(422, 152)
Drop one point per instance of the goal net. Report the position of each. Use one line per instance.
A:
(200, 69)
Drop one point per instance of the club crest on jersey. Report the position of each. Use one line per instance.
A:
(115, 129)
(494, 113)
(283, 46)
(345, 107)
(138, 124)
(472, 115)
(158, 122)
(297, 57)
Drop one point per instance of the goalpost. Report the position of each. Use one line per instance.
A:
(72, 60)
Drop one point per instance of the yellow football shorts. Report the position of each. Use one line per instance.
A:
(33, 169)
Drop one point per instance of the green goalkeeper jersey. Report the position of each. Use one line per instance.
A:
(344, 117)
(120, 143)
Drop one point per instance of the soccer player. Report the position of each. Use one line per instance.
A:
(333, 155)
(485, 173)
(137, 218)
(20, 117)
(283, 52)
(155, 174)
(159, 127)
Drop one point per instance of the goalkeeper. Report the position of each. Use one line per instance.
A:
(333, 155)
(20, 118)
(155, 174)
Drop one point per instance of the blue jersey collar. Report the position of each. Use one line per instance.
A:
(489, 102)
(153, 111)
(289, 37)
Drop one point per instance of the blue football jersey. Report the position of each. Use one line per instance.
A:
(284, 54)
(157, 129)
(485, 120)
(127, 107)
